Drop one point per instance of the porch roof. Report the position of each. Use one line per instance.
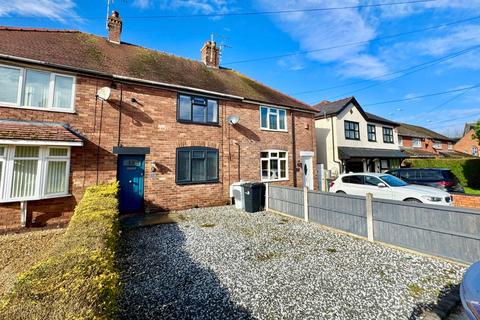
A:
(35, 132)
(345, 153)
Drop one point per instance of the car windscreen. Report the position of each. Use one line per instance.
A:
(393, 181)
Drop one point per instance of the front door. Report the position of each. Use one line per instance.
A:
(130, 177)
(307, 169)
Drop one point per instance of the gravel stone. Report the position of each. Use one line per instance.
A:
(223, 263)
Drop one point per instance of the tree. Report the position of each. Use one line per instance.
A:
(476, 131)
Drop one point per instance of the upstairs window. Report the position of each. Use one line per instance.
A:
(416, 142)
(450, 146)
(387, 135)
(196, 109)
(36, 89)
(372, 133)
(196, 165)
(400, 141)
(475, 151)
(437, 144)
(352, 130)
(273, 119)
(274, 165)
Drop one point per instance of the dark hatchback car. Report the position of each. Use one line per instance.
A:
(439, 178)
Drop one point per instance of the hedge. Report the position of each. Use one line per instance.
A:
(466, 170)
(78, 280)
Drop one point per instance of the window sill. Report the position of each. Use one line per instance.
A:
(4, 105)
(273, 130)
(210, 124)
(35, 198)
(196, 183)
(275, 180)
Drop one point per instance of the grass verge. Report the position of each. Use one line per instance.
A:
(78, 279)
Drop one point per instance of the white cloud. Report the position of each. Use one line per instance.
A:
(406, 9)
(195, 6)
(61, 10)
(293, 63)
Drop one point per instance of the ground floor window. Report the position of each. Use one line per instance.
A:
(33, 172)
(274, 165)
(196, 165)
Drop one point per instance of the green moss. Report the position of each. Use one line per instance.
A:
(415, 290)
(78, 280)
(208, 225)
(266, 256)
(331, 250)
(91, 50)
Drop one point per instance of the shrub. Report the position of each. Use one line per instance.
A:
(466, 170)
(79, 279)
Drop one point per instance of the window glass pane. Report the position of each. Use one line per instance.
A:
(62, 94)
(274, 174)
(56, 181)
(282, 120)
(198, 170)
(36, 89)
(9, 79)
(264, 114)
(1, 173)
(265, 170)
(183, 166)
(185, 108)
(212, 111)
(2, 151)
(58, 152)
(273, 121)
(273, 155)
(212, 165)
(282, 154)
(198, 154)
(24, 178)
(372, 181)
(199, 113)
(356, 179)
(26, 152)
(283, 168)
(263, 154)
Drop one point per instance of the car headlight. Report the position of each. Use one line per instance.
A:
(433, 199)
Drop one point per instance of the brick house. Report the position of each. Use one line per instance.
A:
(467, 144)
(420, 142)
(77, 109)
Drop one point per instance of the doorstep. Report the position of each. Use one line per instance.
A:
(137, 220)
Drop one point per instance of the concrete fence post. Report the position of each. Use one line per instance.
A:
(23, 213)
(266, 195)
(305, 203)
(369, 209)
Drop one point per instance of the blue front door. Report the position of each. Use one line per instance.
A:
(130, 176)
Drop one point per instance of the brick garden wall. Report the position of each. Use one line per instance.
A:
(151, 122)
(466, 201)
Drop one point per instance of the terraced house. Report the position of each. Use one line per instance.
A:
(78, 109)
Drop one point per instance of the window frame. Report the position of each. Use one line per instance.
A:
(356, 130)
(191, 150)
(42, 170)
(437, 144)
(20, 103)
(269, 158)
(417, 146)
(400, 141)
(475, 151)
(277, 111)
(449, 145)
(191, 121)
(374, 133)
(390, 129)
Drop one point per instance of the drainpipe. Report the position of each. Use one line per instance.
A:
(120, 116)
(294, 151)
(333, 144)
(238, 146)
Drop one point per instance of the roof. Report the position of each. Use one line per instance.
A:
(468, 126)
(418, 153)
(37, 131)
(328, 109)
(91, 53)
(410, 130)
(346, 153)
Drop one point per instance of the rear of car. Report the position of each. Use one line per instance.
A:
(442, 179)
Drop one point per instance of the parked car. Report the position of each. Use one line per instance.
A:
(386, 186)
(470, 291)
(443, 179)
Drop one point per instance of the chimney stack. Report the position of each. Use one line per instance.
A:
(210, 54)
(114, 27)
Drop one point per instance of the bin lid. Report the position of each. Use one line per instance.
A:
(253, 184)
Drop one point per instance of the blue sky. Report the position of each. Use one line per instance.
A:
(370, 65)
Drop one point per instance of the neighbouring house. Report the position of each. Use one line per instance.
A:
(420, 142)
(467, 144)
(352, 140)
(78, 109)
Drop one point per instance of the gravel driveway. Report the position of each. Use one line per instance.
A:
(222, 263)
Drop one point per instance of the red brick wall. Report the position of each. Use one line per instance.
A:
(152, 123)
(466, 201)
(466, 143)
(427, 144)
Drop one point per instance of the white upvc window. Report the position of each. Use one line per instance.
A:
(475, 151)
(416, 142)
(274, 165)
(437, 144)
(450, 146)
(31, 172)
(273, 119)
(400, 141)
(36, 89)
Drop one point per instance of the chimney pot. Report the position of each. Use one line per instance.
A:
(114, 27)
(210, 54)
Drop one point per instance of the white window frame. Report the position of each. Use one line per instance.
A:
(413, 143)
(400, 141)
(277, 110)
(450, 146)
(270, 151)
(40, 184)
(51, 90)
(437, 144)
(475, 151)
(3, 160)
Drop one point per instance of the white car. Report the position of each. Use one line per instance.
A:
(386, 186)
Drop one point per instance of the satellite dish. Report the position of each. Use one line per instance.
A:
(104, 93)
(233, 119)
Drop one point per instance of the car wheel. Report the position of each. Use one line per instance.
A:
(341, 192)
(412, 200)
